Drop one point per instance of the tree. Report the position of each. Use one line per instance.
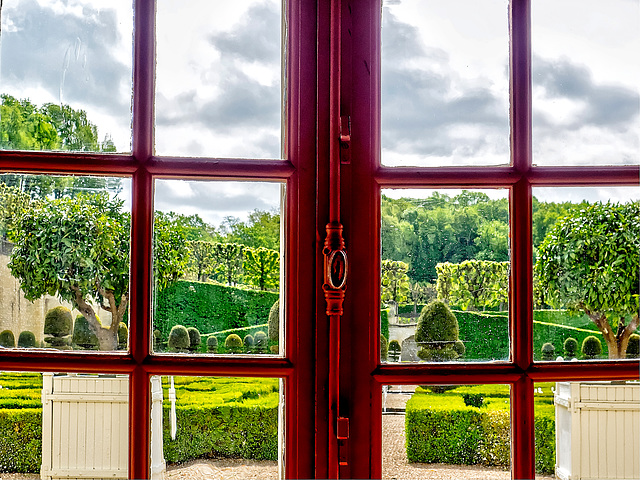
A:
(395, 282)
(78, 248)
(229, 257)
(262, 229)
(201, 259)
(589, 262)
(262, 268)
(473, 284)
(13, 204)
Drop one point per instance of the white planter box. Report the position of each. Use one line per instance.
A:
(597, 431)
(85, 427)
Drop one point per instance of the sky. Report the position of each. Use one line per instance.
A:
(445, 84)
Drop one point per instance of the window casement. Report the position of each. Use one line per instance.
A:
(334, 174)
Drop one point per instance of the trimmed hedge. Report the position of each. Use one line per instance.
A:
(211, 307)
(21, 440)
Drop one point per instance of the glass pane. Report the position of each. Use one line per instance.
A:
(64, 262)
(219, 79)
(446, 431)
(445, 275)
(586, 98)
(81, 426)
(218, 427)
(586, 245)
(445, 83)
(66, 75)
(218, 270)
(595, 427)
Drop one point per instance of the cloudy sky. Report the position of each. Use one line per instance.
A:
(445, 98)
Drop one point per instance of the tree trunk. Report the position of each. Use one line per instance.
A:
(616, 342)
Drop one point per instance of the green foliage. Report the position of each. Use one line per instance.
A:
(261, 341)
(26, 339)
(7, 339)
(228, 258)
(384, 322)
(58, 322)
(262, 229)
(384, 348)
(473, 284)
(548, 351)
(633, 349)
(123, 336)
(261, 268)
(83, 335)
(274, 322)
(201, 259)
(248, 342)
(591, 347)
(233, 343)
(459, 348)
(395, 282)
(211, 307)
(436, 332)
(194, 338)
(570, 347)
(473, 399)
(178, 339)
(212, 344)
(157, 341)
(589, 262)
(21, 440)
(13, 203)
(394, 350)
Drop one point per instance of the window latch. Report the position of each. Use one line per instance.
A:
(345, 139)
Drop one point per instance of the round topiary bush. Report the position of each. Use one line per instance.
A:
(570, 347)
(157, 341)
(233, 343)
(194, 339)
(178, 339)
(83, 336)
(58, 322)
(591, 347)
(384, 348)
(7, 339)
(633, 348)
(459, 347)
(261, 341)
(212, 344)
(394, 350)
(123, 336)
(248, 342)
(548, 351)
(26, 339)
(274, 322)
(437, 332)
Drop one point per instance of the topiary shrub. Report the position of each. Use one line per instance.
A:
(459, 347)
(158, 345)
(212, 344)
(274, 349)
(473, 399)
(26, 339)
(261, 341)
(591, 347)
(633, 348)
(548, 351)
(7, 340)
(194, 339)
(394, 350)
(58, 327)
(274, 322)
(384, 348)
(248, 343)
(233, 343)
(437, 332)
(178, 339)
(123, 336)
(570, 347)
(83, 336)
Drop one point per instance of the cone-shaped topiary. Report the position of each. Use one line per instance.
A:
(437, 332)
(548, 351)
(260, 341)
(591, 347)
(274, 322)
(83, 336)
(233, 343)
(123, 336)
(194, 339)
(384, 348)
(394, 350)
(633, 348)
(178, 339)
(212, 344)
(248, 343)
(26, 339)
(58, 325)
(570, 347)
(7, 339)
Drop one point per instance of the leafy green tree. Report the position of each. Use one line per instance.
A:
(262, 229)
(13, 204)
(78, 248)
(229, 258)
(262, 268)
(395, 281)
(473, 284)
(589, 262)
(201, 259)
(493, 241)
(192, 227)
